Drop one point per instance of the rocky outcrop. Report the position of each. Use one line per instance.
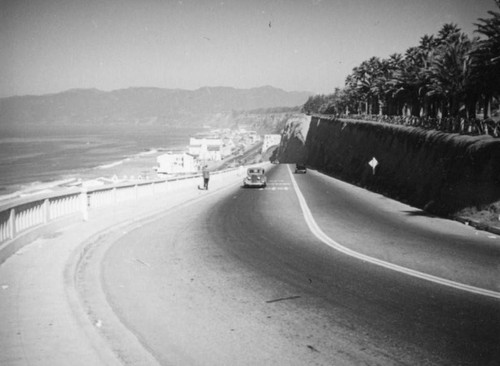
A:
(439, 172)
(293, 140)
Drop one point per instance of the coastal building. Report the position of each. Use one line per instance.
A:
(206, 148)
(176, 163)
(253, 136)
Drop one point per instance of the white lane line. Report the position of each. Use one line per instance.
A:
(275, 188)
(315, 229)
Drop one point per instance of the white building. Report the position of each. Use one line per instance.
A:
(254, 137)
(171, 163)
(206, 148)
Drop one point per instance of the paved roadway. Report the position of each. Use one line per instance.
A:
(239, 277)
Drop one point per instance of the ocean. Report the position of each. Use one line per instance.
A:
(32, 155)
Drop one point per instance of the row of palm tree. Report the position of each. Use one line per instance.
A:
(447, 75)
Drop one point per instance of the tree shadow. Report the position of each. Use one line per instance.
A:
(421, 213)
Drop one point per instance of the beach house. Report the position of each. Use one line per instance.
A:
(176, 163)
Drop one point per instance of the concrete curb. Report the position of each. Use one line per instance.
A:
(478, 225)
(84, 309)
(112, 340)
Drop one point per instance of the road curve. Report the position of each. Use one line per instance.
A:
(239, 278)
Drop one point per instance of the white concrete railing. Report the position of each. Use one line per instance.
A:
(26, 213)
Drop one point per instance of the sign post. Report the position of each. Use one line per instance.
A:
(373, 163)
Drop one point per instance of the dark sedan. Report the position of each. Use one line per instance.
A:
(256, 177)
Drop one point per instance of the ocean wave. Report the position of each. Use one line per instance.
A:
(149, 152)
(135, 156)
(111, 165)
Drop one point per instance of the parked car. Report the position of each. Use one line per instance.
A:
(256, 177)
(300, 168)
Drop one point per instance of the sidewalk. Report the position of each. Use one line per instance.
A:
(39, 324)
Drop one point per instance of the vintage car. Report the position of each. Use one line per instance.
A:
(256, 177)
(300, 168)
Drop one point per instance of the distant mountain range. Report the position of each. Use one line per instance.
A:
(175, 107)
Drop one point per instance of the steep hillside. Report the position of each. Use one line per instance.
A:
(142, 105)
(441, 173)
(262, 120)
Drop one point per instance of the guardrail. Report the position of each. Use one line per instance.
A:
(23, 214)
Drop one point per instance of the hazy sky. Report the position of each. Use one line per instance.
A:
(48, 46)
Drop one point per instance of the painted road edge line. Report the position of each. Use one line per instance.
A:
(316, 230)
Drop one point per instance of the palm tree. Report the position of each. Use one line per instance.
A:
(370, 83)
(405, 82)
(447, 32)
(426, 49)
(355, 82)
(487, 57)
(395, 64)
(444, 73)
(415, 81)
(451, 73)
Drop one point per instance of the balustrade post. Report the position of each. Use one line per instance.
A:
(12, 223)
(46, 211)
(84, 204)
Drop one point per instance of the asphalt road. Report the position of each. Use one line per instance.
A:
(238, 278)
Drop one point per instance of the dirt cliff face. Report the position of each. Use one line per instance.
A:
(439, 172)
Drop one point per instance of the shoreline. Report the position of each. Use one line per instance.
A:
(37, 157)
(129, 168)
(133, 168)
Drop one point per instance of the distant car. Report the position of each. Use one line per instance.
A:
(256, 177)
(300, 168)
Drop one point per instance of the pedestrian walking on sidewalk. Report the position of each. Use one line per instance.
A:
(206, 176)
